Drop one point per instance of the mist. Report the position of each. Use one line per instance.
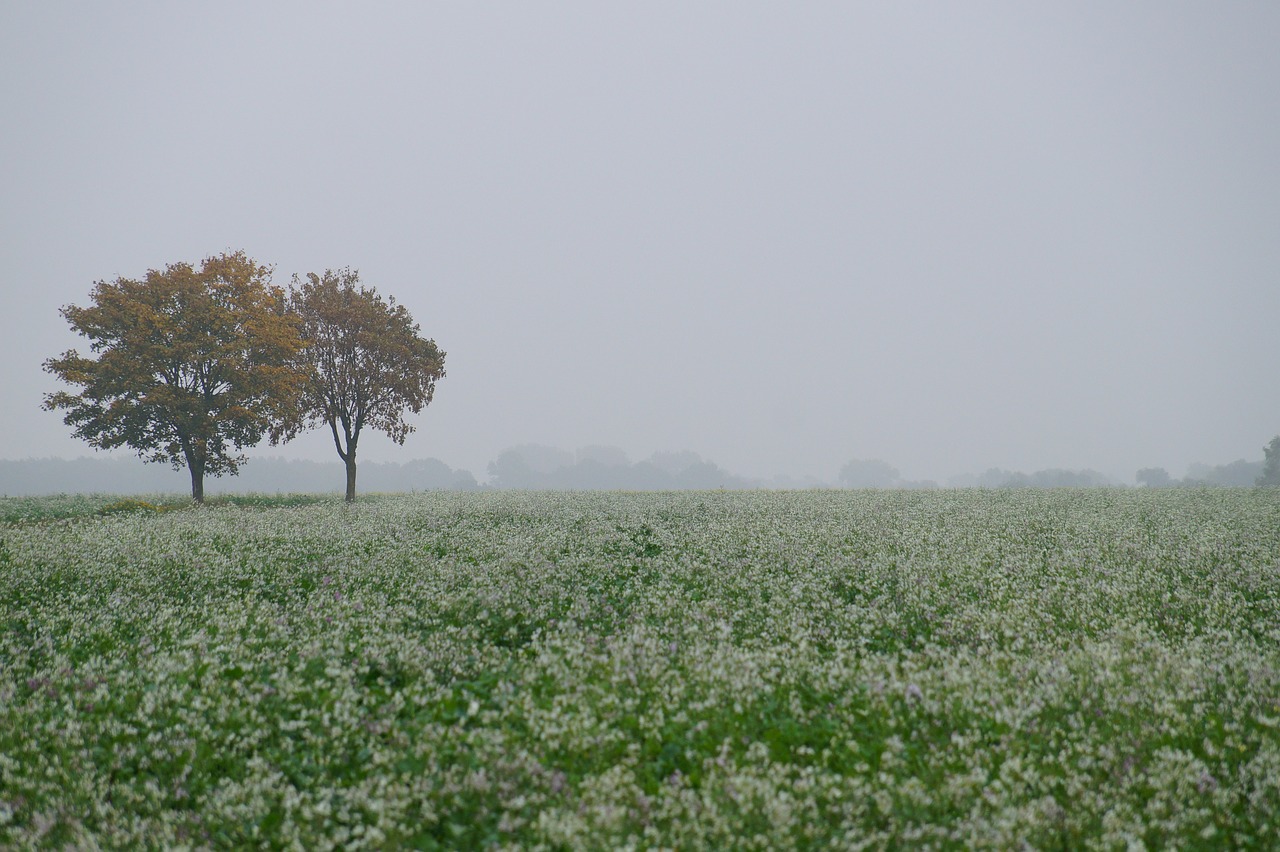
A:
(542, 468)
(954, 239)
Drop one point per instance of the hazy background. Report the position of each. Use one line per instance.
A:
(953, 236)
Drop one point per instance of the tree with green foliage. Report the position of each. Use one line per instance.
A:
(1270, 476)
(193, 364)
(365, 362)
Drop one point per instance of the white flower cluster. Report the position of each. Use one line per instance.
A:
(755, 670)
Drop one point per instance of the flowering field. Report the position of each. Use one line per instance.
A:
(1068, 669)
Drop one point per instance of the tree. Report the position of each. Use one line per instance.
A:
(193, 365)
(1270, 476)
(1154, 477)
(365, 362)
(869, 473)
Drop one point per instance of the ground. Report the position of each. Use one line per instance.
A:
(1068, 669)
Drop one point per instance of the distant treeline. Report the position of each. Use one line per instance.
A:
(264, 475)
(1237, 474)
(874, 473)
(1049, 478)
(601, 467)
(534, 466)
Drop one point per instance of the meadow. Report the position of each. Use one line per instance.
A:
(700, 670)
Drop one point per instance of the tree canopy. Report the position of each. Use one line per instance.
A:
(869, 473)
(1154, 477)
(366, 363)
(193, 364)
(1270, 476)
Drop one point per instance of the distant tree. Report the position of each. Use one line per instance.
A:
(511, 470)
(365, 362)
(1270, 476)
(1238, 474)
(869, 473)
(605, 456)
(1198, 474)
(674, 462)
(530, 466)
(1154, 477)
(705, 476)
(193, 365)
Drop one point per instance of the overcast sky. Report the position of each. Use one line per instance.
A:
(948, 235)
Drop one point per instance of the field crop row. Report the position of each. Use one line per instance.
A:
(769, 670)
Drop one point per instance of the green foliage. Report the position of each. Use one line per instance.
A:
(65, 506)
(1068, 669)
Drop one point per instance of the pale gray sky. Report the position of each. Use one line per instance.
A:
(948, 235)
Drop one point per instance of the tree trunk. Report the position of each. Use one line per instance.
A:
(351, 477)
(197, 483)
(195, 464)
(348, 455)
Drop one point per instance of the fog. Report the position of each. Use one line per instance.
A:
(951, 238)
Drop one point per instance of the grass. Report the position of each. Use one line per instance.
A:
(15, 510)
(1066, 669)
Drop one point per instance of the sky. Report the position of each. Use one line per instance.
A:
(947, 235)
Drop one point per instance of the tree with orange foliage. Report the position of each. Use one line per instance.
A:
(366, 363)
(193, 364)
